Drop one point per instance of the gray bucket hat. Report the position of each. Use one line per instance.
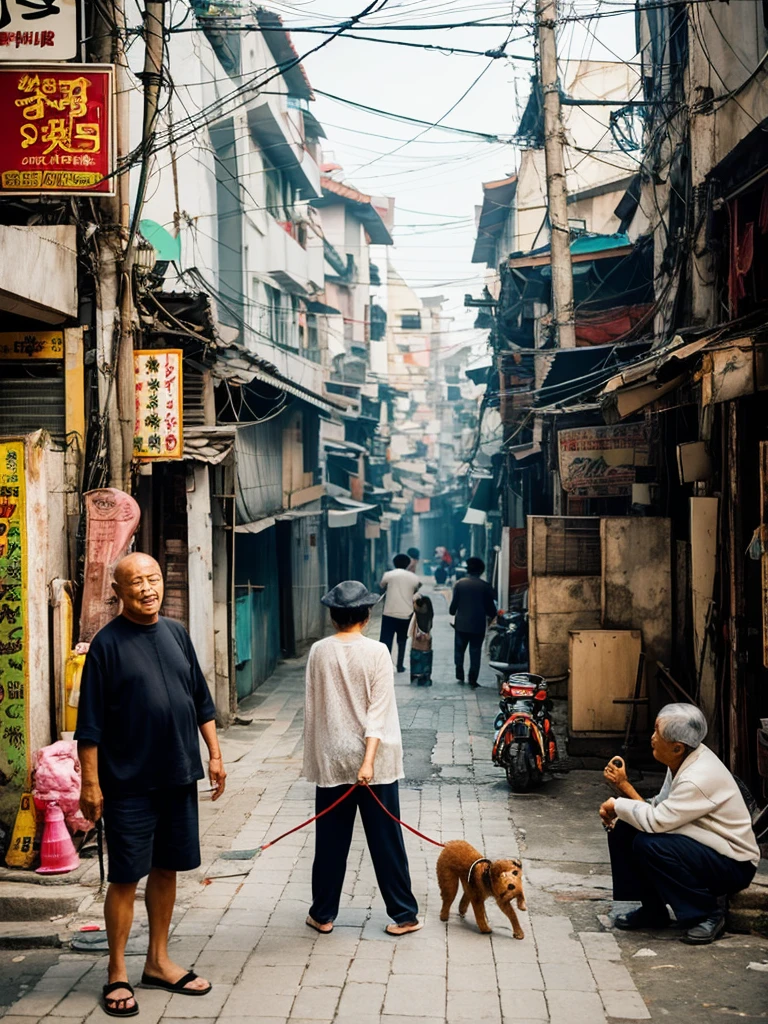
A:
(350, 594)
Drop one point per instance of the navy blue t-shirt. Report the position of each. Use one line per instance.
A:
(142, 698)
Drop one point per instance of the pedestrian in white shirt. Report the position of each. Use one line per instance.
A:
(352, 735)
(399, 585)
(691, 846)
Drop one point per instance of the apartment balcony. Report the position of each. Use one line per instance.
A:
(277, 133)
(293, 268)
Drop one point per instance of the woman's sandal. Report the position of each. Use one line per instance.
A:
(179, 987)
(404, 929)
(114, 1010)
(319, 927)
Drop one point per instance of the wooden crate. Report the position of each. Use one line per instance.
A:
(602, 667)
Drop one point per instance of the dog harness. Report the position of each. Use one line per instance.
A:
(480, 860)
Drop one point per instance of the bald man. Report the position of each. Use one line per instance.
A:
(143, 699)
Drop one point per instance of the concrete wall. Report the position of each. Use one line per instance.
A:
(38, 271)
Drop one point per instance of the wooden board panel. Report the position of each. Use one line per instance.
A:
(603, 666)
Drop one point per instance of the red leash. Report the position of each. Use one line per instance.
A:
(409, 827)
(342, 798)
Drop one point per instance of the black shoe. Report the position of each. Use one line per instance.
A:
(706, 931)
(401, 670)
(640, 918)
(459, 681)
(474, 686)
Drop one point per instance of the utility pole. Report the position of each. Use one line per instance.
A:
(108, 47)
(115, 313)
(557, 190)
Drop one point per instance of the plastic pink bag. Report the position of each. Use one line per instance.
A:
(56, 779)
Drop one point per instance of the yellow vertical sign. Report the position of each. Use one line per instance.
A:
(14, 697)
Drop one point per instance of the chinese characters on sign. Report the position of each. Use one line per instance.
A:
(38, 30)
(32, 345)
(157, 430)
(600, 462)
(13, 638)
(57, 129)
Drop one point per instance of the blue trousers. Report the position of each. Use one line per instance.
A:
(665, 869)
(333, 836)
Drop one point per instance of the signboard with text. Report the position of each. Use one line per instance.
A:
(38, 30)
(32, 345)
(57, 129)
(14, 712)
(601, 462)
(157, 430)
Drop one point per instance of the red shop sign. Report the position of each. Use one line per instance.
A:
(57, 129)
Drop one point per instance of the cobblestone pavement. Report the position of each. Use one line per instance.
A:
(240, 922)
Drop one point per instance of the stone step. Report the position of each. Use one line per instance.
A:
(31, 935)
(23, 901)
(748, 910)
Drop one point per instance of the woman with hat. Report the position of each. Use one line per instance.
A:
(352, 735)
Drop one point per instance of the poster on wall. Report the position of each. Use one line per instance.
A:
(14, 726)
(157, 430)
(32, 344)
(39, 30)
(57, 133)
(601, 462)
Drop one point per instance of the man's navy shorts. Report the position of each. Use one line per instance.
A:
(158, 829)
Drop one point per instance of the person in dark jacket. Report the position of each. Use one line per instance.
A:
(473, 605)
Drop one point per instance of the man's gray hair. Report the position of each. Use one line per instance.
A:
(682, 723)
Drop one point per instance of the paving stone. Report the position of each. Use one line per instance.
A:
(524, 1002)
(575, 1007)
(277, 981)
(317, 1003)
(197, 1006)
(326, 969)
(627, 1005)
(244, 1005)
(612, 977)
(471, 977)
(568, 977)
(415, 995)
(220, 969)
(600, 945)
(512, 976)
(473, 1006)
(232, 938)
(361, 998)
(376, 971)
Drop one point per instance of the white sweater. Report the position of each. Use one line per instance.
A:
(702, 802)
(350, 696)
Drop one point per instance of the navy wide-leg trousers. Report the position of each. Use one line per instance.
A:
(664, 869)
(333, 836)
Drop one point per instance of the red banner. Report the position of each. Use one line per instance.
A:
(57, 129)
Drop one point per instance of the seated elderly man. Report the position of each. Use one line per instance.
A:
(689, 847)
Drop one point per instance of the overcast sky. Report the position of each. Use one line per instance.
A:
(436, 180)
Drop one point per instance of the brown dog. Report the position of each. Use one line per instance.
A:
(480, 878)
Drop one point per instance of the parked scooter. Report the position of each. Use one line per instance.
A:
(509, 643)
(525, 745)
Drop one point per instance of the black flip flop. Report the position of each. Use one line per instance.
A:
(129, 1011)
(148, 981)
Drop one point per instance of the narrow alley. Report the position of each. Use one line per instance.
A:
(241, 921)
